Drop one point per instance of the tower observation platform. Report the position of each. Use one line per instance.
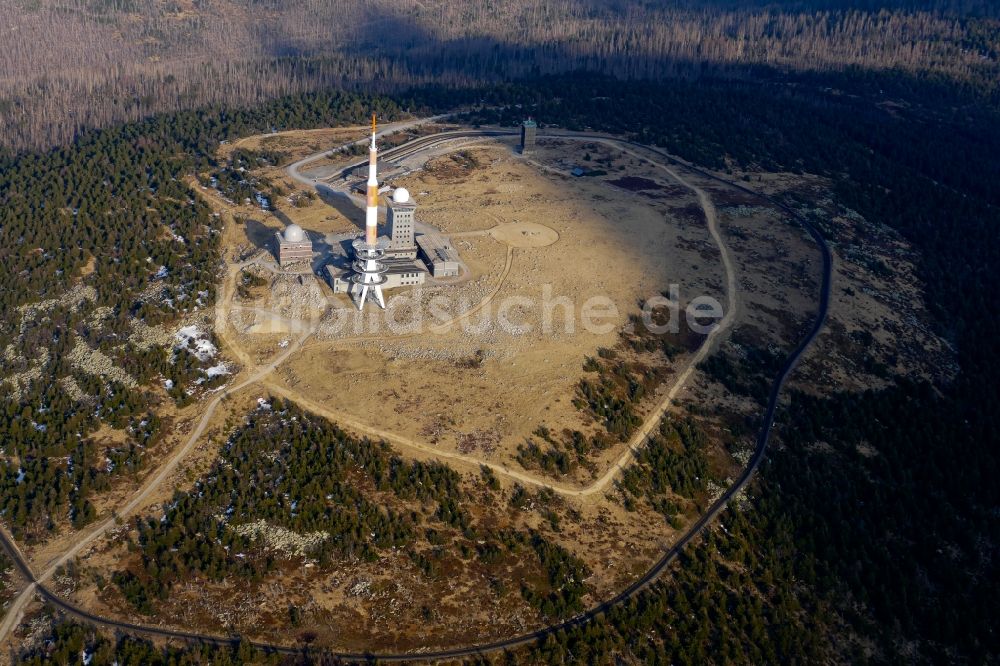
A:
(369, 270)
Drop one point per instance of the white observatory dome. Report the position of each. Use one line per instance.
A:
(401, 195)
(294, 234)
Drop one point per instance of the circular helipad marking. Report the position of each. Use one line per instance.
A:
(524, 234)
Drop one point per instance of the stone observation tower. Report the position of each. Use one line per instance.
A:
(369, 269)
(293, 246)
(528, 129)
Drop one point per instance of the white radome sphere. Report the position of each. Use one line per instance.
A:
(294, 234)
(401, 195)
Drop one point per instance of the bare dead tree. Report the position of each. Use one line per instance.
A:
(72, 64)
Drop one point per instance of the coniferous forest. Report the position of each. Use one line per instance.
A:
(838, 555)
(117, 200)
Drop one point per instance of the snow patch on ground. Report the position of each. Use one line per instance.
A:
(216, 370)
(193, 337)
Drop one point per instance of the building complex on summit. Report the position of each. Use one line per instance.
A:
(409, 255)
(374, 263)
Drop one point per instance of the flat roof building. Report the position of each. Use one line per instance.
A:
(399, 273)
(440, 254)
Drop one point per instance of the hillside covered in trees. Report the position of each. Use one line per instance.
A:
(72, 64)
(97, 242)
(871, 533)
(290, 487)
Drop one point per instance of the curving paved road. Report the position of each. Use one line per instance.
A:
(654, 572)
(293, 169)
